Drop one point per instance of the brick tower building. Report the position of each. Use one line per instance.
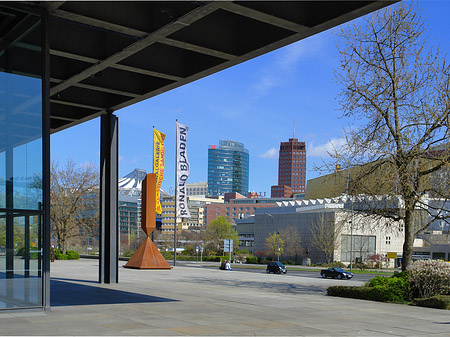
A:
(291, 169)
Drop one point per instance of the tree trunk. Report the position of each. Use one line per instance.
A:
(409, 238)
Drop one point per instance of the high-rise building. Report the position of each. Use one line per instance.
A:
(197, 189)
(228, 168)
(291, 169)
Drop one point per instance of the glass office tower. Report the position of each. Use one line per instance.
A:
(21, 160)
(228, 168)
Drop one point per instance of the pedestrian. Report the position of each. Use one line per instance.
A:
(227, 265)
(222, 265)
(52, 254)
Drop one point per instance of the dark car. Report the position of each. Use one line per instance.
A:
(276, 268)
(336, 273)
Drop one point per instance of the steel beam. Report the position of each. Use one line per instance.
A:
(137, 46)
(263, 17)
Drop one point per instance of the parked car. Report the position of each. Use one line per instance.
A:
(276, 268)
(336, 272)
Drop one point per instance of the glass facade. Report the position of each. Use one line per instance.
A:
(228, 168)
(363, 247)
(21, 160)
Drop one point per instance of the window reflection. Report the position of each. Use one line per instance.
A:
(20, 160)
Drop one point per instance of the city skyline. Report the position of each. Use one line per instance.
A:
(255, 103)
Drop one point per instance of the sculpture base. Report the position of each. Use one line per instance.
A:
(147, 257)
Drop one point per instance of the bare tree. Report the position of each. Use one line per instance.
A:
(292, 242)
(397, 88)
(325, 235)
(74, 201)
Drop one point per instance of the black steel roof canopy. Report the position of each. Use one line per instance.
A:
(107, 55)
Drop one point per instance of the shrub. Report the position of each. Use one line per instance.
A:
(393, 289)
(32, 255)
(128, 253)
(214, 258)
(186, 258)
(60, 256)
(329, 265)
(361, 266)
(167, 255)
(337, 264)
(252, 259)
(429, 278)
(72, 255)
(437, 302)
(363, 293)
(381, 288)
(375, 293)
(21, 251)
(189, 250)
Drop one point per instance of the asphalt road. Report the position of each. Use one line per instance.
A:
(310, 274)
(300, 273)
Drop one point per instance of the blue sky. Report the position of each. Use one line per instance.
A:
(255, 103)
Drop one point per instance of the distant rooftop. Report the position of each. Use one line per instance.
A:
(133, 180)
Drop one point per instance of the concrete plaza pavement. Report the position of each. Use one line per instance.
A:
(203, 301)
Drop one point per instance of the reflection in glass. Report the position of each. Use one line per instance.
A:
(20, 160)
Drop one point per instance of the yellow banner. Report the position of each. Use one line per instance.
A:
(158, 164)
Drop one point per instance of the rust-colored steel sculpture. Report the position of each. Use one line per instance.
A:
(148, 256)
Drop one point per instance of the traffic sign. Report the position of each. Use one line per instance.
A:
(392, 255)
(227, 245)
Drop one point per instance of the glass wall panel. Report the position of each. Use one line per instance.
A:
(21, 165)
(363, 246)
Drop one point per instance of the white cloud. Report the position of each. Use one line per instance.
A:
(285, 64)
(322, 150)
(265, 83)
(270, 154)
(291, 55)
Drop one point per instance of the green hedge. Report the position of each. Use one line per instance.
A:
(251, 259)
(438, 302)
(352, 292)
(377, 293)
(214, 258)
(383, 289)
(380, 293)
(72, 255)
(60, 256)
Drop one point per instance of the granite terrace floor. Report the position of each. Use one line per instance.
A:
(195, 301)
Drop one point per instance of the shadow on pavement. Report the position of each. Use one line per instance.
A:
(65, 293)
(273, 287)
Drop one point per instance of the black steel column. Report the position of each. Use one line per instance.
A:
(27, 246)
(109, 230)
(44, 219)
(9, 207)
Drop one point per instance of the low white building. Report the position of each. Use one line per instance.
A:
(357, 237)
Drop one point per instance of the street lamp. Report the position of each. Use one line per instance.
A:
(275, 231)
(351, 224)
